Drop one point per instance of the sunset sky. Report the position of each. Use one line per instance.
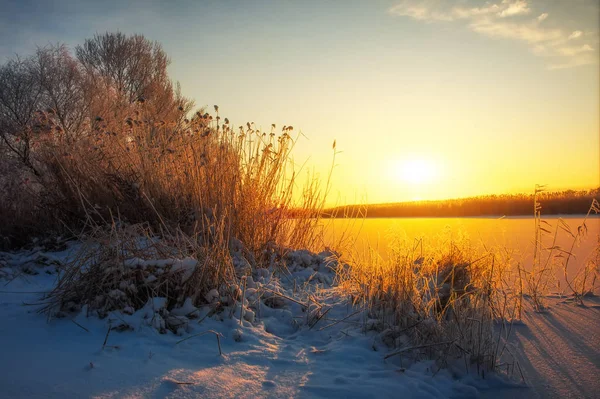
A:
(426, 99)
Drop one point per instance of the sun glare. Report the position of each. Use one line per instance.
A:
(416, 171)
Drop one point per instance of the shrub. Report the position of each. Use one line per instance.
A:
(105, 135)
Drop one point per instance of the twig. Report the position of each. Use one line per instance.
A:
(320, 317)
(203, 333)
(339, 321)
(209, 313)
(80, 326)
(19, 274)
(242, 304)
(521, 372)
(413, 326)
(106, 337)
(286, 297)
(417, 347)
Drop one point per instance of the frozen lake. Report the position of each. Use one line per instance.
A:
(513, 233)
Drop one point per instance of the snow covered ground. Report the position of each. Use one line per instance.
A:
(282, 353)
(558, 351)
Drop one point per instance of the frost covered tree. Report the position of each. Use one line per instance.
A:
(72, 119)
(135, 68)
(20, 95)
(107, 77)
(64, 89)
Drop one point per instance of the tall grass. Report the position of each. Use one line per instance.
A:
(191, 174)
(447, 298)
(209, 190)
(441, 299)
(551, 260)
(100, 144)
(103, 133)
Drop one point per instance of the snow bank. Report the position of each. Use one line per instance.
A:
(296, 338)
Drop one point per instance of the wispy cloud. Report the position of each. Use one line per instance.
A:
(575, 34)
(516, 7)
(508, 19)
(528, 32)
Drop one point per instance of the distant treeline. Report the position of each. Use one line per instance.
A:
(553, 203)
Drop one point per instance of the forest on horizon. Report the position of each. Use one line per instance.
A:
(568, 202)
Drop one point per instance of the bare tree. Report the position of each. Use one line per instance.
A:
(136, 66)
(63, 88)
(129, 70)
(20, 95)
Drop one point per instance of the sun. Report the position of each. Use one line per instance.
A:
(416, 171)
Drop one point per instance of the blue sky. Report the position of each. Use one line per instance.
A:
(489, 95)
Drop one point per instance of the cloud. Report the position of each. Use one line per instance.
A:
(570, 63)
(464, 13)
(514, 8)
(575, 34)
(420, 12)
(505, 20)
(433, 11)
(530, 33)
(570, 51)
